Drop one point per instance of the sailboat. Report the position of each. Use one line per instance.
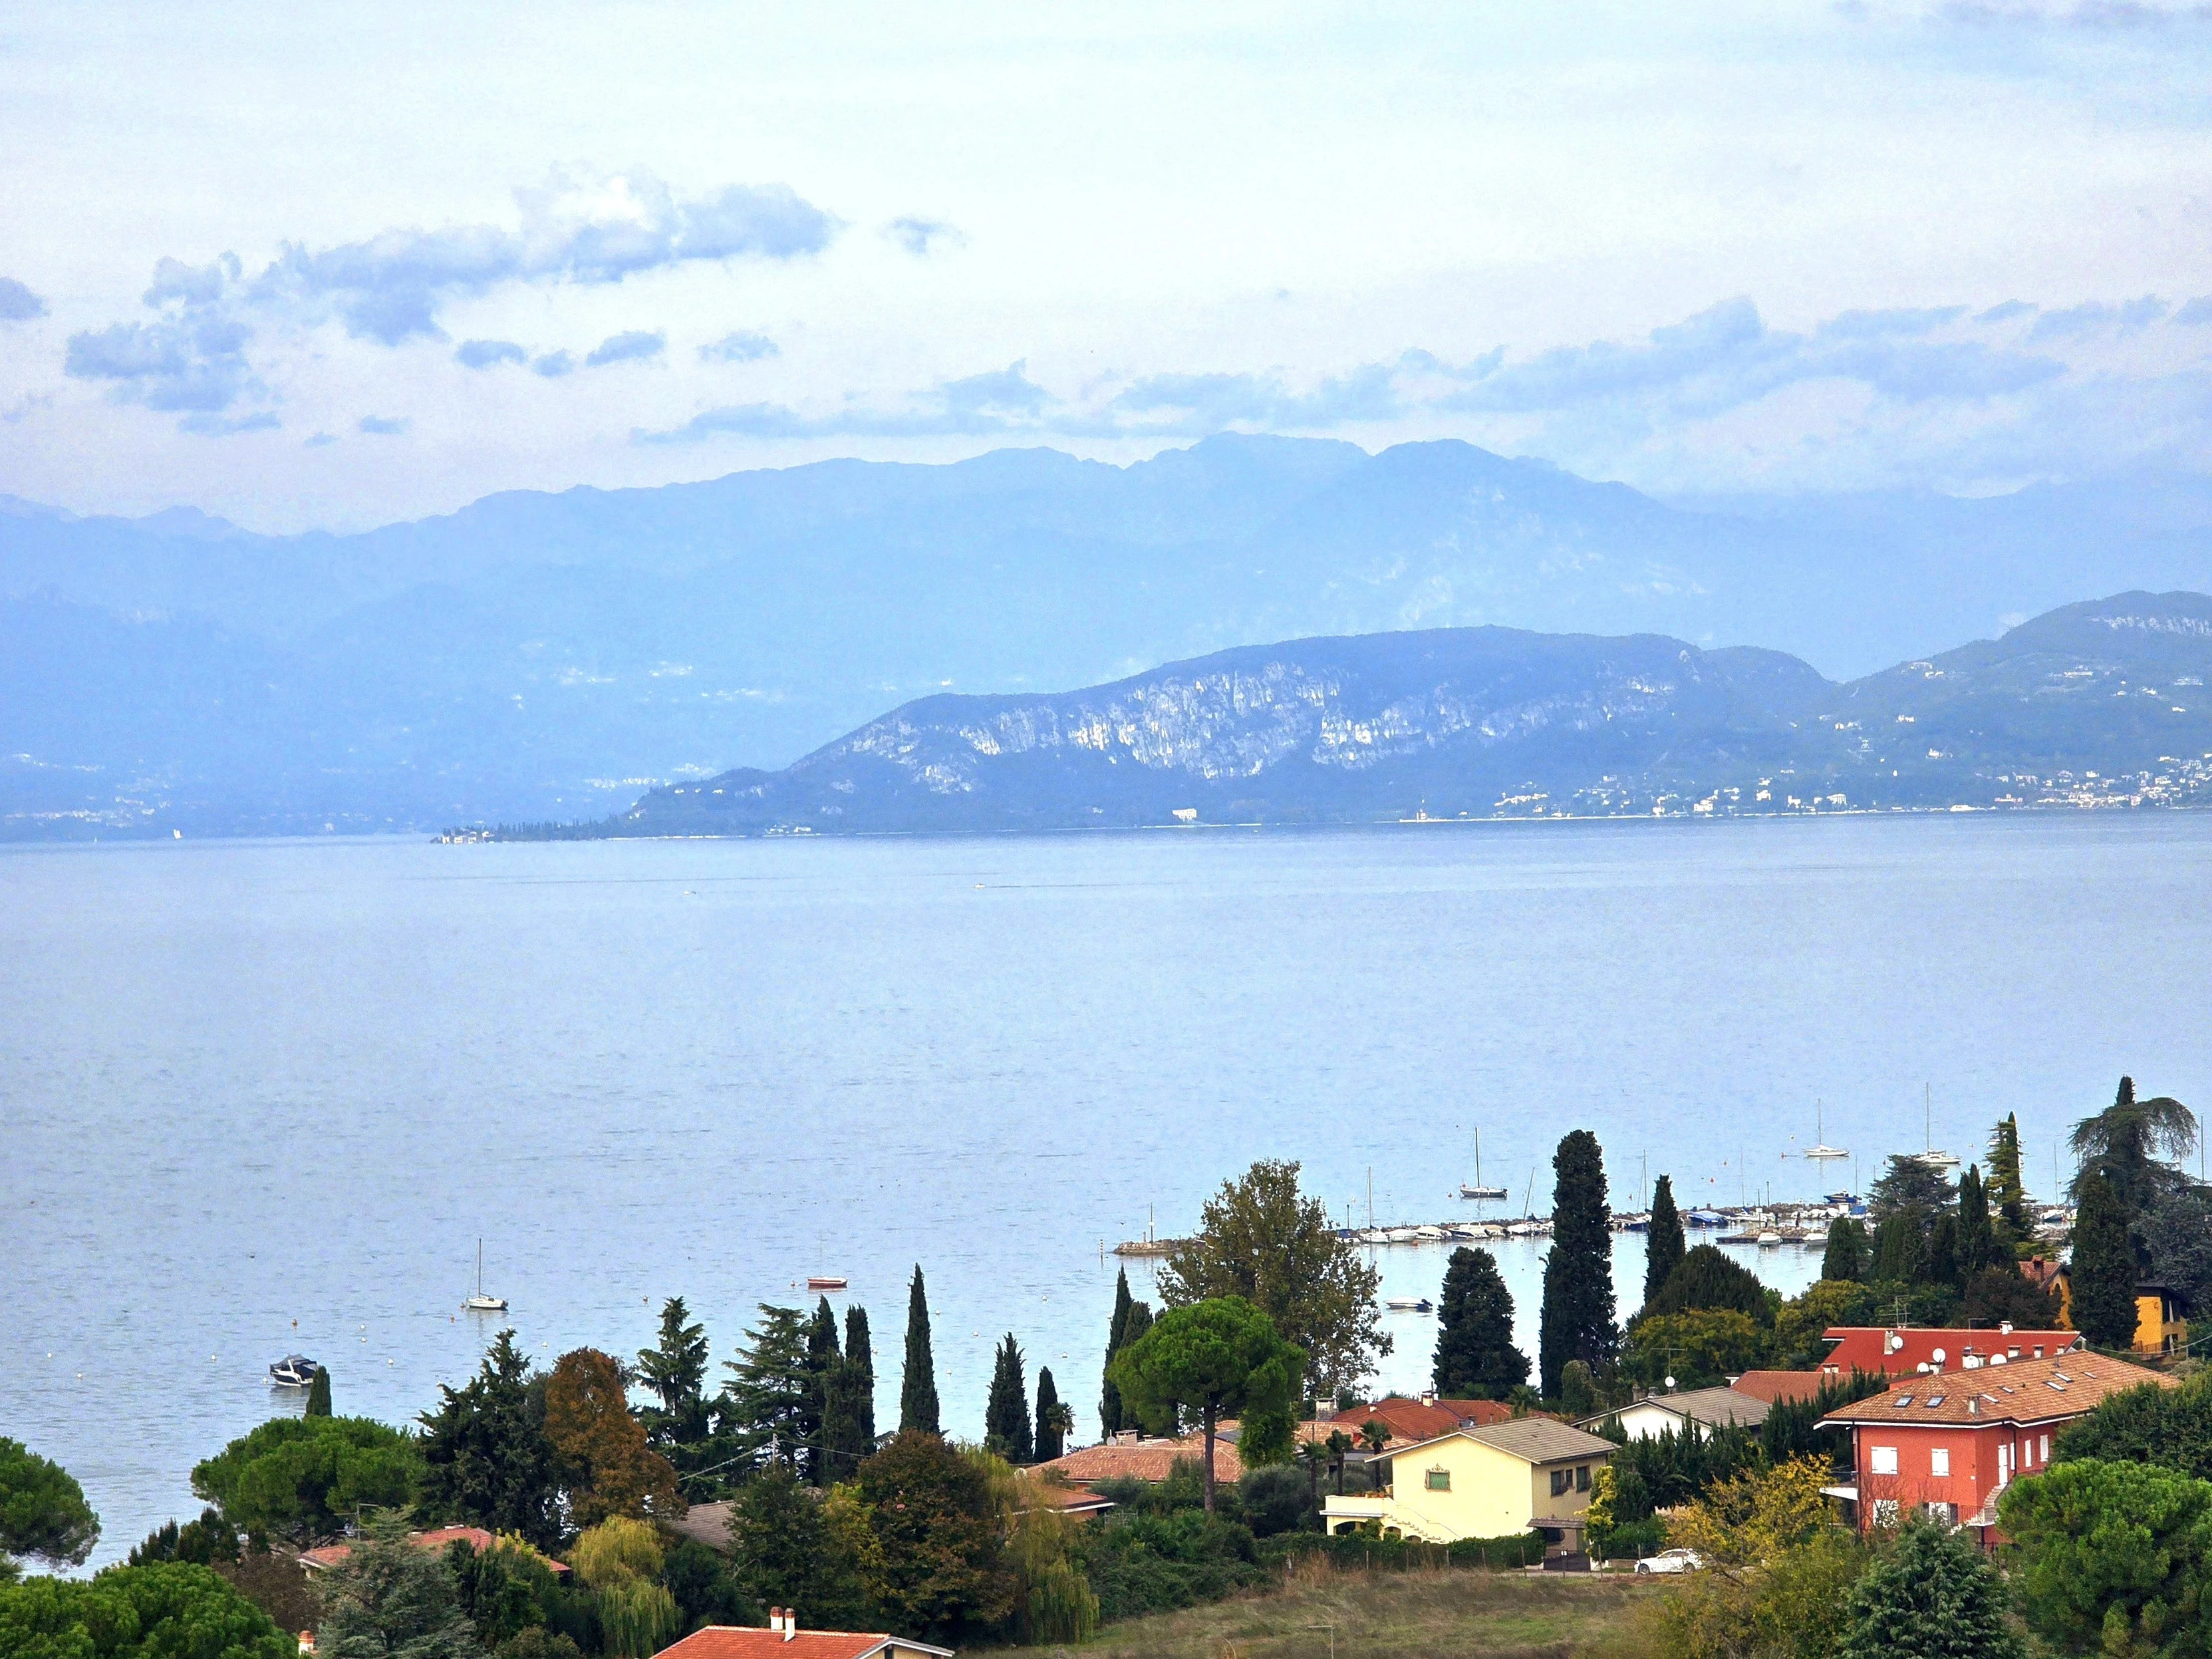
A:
(480, 1302)
(1822, 1152)
(1478, 1190)
(1932, 1158)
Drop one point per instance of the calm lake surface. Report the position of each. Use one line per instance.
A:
(266, 1097)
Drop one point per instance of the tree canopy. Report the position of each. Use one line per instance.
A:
(941, 1569)
(1931, 1594)
(305, 1478)
(1662, 1243)
(1577, 1321)
(918, 1387)
(784, 1554)
(2133, 1144)
(485, 1457)
(608, 1467)
(1700, 1347)
(164, 1610)
(1006, 1429)
(2111, 1557)
(1708, 1278)
(1475, 1358)
(1214, 1358)
(767, 1408)
(1845, 1254)
(43, 1511)
(1910, 1182)
(2169, 1427)
(674, 1369)
(2102, 1275)
(389, 1598)
(1263, 1243)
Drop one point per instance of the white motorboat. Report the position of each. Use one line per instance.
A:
(293, 1370)
(1769, 1238)
(1409, 1305)
(480, 1302)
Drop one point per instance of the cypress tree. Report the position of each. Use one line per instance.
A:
(1846, 1258)
(1109, 1397)
(1977, 1240)
(1051, 1437)
(1579, 1306)
(1006, 1414)
(817, 1426)
(860, 1358)
(918, 1387)
(2102, 1275)
(1900, 1248)
(1943, 1255)
(1664, 1244)
(1475, 1358)
(2005, 1190)
(318, 1393)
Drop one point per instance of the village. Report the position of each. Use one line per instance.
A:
(1930, 1430)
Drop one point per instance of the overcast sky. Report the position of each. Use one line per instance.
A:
(322, 264)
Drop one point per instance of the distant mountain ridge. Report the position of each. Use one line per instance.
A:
(544, 655)
(2079, 707)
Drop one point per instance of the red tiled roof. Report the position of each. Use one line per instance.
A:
(1142, 1460)
(330, 1554)
(730, 1641)
(1866, 1347)
(2020, 1391)
(1069, 1500)
(1776, 1387)
(1423, 1420)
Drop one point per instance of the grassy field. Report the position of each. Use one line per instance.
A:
(1323, 1612)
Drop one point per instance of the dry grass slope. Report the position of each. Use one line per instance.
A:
(1442, 1614)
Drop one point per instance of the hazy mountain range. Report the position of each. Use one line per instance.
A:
(2098, 703)
(551, 656)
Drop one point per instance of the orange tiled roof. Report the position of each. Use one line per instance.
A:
(2022, 1391)
(1776, 1387)
(1142, 1460)
(731, 1641)
(1423, 1420)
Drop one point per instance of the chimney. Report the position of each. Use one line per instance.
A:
(775, 1621)
(790, 1623)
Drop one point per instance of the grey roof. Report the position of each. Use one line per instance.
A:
(1709, 1407)
(1540, 1440)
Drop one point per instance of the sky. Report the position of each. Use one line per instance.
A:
(324, 265)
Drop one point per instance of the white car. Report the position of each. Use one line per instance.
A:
(1672, 1561)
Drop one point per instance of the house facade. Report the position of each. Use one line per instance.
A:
(1911, 1349)
(1672, 1414)
(1948, 1444)
(1493, 1481)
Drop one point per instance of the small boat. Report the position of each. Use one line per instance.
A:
(1409, 1305)
(293, 1370)
(1768, 1239)
(1822, 1152)
(480, 1302)
(825, 1282)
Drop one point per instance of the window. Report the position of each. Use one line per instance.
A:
(1881, 1459)
(2042, 1451)
(1561, 1479)
(1947, 1514)
(1885, 1511)
(1939, 1461)
(1582, 1477)
(1438, 1481)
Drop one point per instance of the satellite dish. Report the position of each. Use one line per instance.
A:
(1937, 1356)
(1922, 1368)
(1895, 1341)
(1670, 1382)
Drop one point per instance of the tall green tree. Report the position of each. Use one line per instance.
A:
(1900, 1248)
(769, 1412)
(860, 1355)
(941, 1568)
(1932, 1595)
(1475, 1358)
(1943, 1256)
(1846, 1257)
(389, 1599)
(1663, 1244)
(918, 1387)
(784, 1553)
(2008, 1191)
(1578, 1307)
(1052, 1418)
(318, 1394)
(1006, 1413)
(2134, 1145)
(1261, 1240)
(2114, 1558)
(1109, 1397)
(1910, 1182)
(1977, 1238)
(674, 1369)
(1213, 1358)
(825, 1363)
(304, 1478)
(43, 1512)
(485, 1458)
(1706, 1277)
(2102, 1275)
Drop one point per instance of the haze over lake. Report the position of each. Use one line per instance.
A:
(249, 1084)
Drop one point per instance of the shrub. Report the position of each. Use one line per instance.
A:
(1276, 1499)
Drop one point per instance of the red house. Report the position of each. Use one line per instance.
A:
(1947, 1442)
(1902, 1349)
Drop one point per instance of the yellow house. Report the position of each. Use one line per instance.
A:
(1489, 1482)
(2161, 1318)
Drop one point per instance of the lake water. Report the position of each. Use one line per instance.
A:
(266, 1097)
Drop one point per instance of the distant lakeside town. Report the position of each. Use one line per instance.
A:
(1973, 1381)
